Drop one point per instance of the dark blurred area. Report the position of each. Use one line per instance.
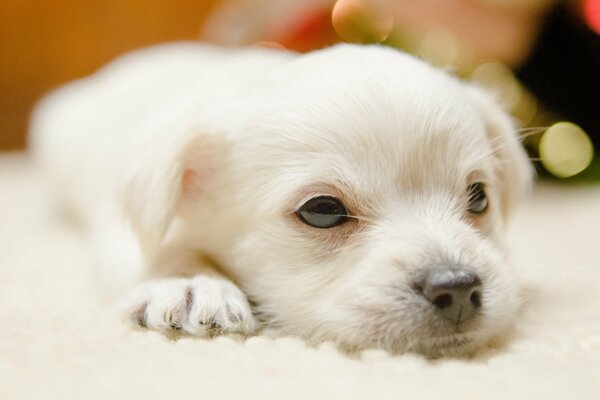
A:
(563, 69)
(541, 56)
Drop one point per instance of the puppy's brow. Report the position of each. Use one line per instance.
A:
(317, 190)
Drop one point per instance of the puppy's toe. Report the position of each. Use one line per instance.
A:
(167, 309)
(158, 305)
(218, 306)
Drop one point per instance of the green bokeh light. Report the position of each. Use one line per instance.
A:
(565, 149)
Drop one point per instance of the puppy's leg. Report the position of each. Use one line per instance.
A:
(199, 301)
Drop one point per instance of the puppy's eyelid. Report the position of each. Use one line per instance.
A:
(478, 176)
(308, 198)
(315, 195)
(482, 181)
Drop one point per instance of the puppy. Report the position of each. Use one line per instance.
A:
(353, 194)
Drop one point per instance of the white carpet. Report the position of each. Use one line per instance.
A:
(59, 340)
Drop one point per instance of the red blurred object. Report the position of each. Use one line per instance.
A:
(591, 10)
(310, 31)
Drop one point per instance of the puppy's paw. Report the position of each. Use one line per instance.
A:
(200, 306)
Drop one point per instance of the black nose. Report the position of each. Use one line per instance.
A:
(455, 293)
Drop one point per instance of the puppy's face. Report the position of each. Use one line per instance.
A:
(364, 202)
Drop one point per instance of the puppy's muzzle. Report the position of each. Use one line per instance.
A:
(455, 293)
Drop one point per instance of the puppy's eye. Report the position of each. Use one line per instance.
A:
(323, 212)
(478, 201)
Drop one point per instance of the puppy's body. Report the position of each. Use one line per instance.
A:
(90, 135)
(186, 150)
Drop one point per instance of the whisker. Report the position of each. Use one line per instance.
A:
(498, 143)
(360, 218)
(531, 128)
(525, 133)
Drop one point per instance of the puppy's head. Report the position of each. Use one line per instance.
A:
(362, 198)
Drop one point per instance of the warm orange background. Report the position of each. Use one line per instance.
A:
(44, 43)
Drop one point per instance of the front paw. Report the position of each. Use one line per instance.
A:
(200, 306)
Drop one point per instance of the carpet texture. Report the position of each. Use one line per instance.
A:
(59, 339)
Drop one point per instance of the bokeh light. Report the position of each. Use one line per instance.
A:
(362, 21)
(565, 149)
(591, 11)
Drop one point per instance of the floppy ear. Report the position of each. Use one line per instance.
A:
(159, 180)
(513, 169)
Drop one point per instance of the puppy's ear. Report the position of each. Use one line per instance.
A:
(168, 174)
(514, 172)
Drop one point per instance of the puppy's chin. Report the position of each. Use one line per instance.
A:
(459, 345)
(448, 340)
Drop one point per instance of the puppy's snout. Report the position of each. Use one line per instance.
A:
(455, 293)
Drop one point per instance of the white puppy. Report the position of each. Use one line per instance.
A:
(353, 194)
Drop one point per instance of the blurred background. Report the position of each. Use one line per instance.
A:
(541, 56)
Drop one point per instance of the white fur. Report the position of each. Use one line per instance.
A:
(210, 152)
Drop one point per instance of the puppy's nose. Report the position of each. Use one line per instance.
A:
(455, 293)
